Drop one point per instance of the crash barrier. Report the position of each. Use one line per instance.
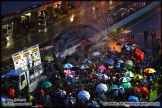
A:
(95, 37)
(125, 21)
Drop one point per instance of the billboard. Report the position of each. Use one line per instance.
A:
(27, 58)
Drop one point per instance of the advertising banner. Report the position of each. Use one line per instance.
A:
(27, 58)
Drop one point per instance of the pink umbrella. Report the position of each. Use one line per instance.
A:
(102, 67)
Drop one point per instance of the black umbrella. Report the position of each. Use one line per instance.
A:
(121, 70)
(80, 103)
(58, 83)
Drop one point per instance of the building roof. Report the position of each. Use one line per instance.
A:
(10, 6)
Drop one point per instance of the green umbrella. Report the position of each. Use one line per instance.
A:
(112, 88)
(129, 74)
(48, 58)
(126, 85)
(46, 84)
(127, 66)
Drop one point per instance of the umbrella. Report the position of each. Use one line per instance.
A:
(144, 90)
(133, 99)
(113, 87)
(143, 82)
(93, 104)
(4, 99)
(129, 48)
(46, 84)
(120, 89)
(102, 67)
(65, 36)
(71, 79)
(138, 77)
(134, 90)
(149, 70)
(84, 66)
(58, 83)
(110, 61)
(70, 100)
(134, 45)
(121, 70)
(102, 76)
(68, 65)
(87, 61)
(127, 66)
(124, 46)
(62, 93)
(120, 61)
(129, 62)
(84, 95)
(101, 88)
(129, 74)
(124, 79)
(80, 103)
(95, 53)
(126, 85)
(48, 58)
(141, 66)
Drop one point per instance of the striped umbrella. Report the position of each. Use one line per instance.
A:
(149, 70)
(137, 77)
(103, 76)
(129, 74)
(124, 79)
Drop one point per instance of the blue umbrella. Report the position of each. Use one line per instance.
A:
(68, 65)
(110, 61)
(71, 79)
(70, 99)
(143, 82)
(133, 99)
(130, 48)
(65, 36)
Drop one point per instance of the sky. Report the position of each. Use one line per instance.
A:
(10, 6)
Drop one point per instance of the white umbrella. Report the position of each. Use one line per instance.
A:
(129, 62)
(84, 95)
(134, 45)
(84, 66)
(120, 61)
(95, 53)
(103, 76)
(124, 79)
(101, 88)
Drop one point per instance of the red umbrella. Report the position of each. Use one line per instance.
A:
(144, 90)
(134, 90)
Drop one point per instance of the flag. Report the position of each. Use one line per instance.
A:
(69, 73)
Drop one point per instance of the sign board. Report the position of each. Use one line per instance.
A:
(24, 59)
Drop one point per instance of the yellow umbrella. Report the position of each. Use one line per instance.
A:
(138, 77)
(149, 70)
(48, 58)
